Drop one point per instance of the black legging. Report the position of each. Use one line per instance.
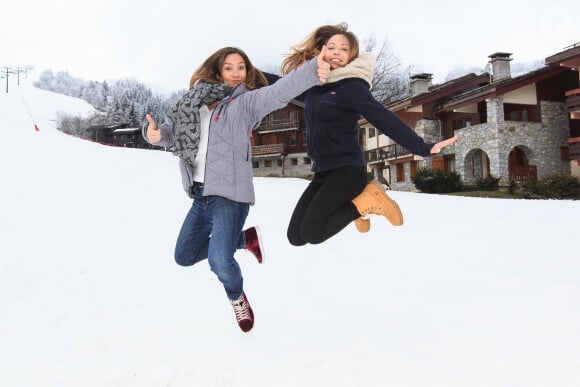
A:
(325, 207)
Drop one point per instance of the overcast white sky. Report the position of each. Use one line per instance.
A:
(162, 42)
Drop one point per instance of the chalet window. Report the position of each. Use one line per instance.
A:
(268, 163)
(450, 164)
(524, 116)
(279, 163)
(255, 164)
(518, 115)
(307, 160)
(293, 161)
(372, 132)
(293, 139)
(458, 124)
(400, 173)
(413, 169)
(438, 163)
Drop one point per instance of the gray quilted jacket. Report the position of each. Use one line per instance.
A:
(228, 171)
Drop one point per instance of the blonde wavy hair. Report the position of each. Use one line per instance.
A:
(312, 44)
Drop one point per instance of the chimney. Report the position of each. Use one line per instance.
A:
(420, 83)
(500, 65)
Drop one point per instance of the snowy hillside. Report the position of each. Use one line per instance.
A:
(468, 293)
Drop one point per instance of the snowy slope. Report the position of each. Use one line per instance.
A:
(469, 292)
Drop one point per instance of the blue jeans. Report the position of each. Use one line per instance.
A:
(212, 229)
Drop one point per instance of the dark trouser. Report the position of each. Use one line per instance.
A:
(325, 207)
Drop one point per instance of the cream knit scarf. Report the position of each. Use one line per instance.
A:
(361, 67)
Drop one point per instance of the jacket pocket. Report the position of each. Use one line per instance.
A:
(186, 177)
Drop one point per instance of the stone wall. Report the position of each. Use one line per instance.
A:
(556, 122)
(408, 184)
(541, 142)
(430, 131)
(302, 169)
(473, 142)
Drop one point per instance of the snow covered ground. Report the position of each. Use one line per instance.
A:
(469, 292)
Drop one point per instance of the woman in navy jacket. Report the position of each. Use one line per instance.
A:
(339, 193)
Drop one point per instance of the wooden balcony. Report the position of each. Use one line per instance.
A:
(279, 125)
(574, 148)
(573, 103)
(523, 173)
(271, 150)
(388, 152)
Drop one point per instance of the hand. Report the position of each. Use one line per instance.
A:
(440, 145)
(323, 66)
(153, 132)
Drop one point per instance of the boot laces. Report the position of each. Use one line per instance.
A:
(241, 309)
(380, 210)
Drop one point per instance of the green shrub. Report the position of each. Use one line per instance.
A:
(436, 181)
(489, 183)
(514, 187)
(553, 187)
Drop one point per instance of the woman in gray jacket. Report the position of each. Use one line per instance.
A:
(209, 130)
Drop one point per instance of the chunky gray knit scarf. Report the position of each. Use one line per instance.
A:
(186, 119)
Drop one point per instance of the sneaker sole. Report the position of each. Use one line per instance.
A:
(259, 235)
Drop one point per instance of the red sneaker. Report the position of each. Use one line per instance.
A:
(244, 312)
(254, 243)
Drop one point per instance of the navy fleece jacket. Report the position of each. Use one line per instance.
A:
(332, 112)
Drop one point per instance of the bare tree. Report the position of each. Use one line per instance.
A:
(390, 81)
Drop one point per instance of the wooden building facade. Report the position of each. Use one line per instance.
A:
(279, 144)
(514, 128)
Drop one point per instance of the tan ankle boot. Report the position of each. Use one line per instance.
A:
(362, 225)
(374, 200)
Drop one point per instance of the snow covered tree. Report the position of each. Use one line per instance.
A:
(390, 81)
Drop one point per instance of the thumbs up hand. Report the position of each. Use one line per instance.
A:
(323, 66)
(153, 132)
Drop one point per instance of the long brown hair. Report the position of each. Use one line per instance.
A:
(210, 69)
(312, 44)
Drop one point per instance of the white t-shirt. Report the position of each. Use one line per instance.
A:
(199, 162)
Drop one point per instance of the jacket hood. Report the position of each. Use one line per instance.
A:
(361, 67)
